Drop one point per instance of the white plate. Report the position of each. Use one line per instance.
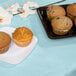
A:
(16, 54)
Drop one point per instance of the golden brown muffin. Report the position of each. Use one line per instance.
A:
(54, 11)
(61, 25)
(71, 11)
(5, 41)
(22, 36)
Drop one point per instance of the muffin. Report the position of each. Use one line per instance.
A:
(54, 11)
(22, 36)
(61, 25)
(5, 41)
(71, 11)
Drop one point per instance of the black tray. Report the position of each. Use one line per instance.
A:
(46, 24)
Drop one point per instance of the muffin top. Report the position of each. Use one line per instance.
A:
(55, 10)
(71, 9)
(22, 34)
(62, 23)
(5, 39)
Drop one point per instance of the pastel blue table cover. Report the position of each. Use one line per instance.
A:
(49, 57)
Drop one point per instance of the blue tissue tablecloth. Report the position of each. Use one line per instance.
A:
(49, 57)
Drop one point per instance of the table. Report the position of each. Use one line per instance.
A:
(49, 57)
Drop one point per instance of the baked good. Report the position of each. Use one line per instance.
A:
(61, 25)
(5, 41)
(71, 11)
(22, 36)
(54, 11)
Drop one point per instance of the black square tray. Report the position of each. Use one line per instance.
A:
(46, 24)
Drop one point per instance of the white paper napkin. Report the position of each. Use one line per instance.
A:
(16, 54)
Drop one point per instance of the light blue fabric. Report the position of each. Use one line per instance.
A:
(49, 57)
